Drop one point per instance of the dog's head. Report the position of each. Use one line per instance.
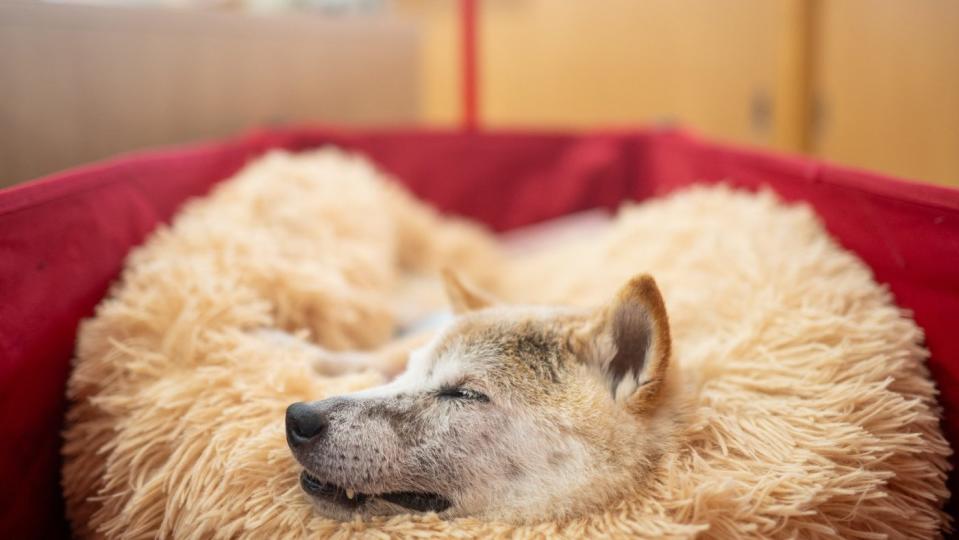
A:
(513, 413)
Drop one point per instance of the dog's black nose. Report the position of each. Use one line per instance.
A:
(304, 423)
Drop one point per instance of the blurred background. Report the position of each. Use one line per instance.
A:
(866, 83)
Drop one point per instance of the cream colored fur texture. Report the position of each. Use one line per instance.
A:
(809, 412)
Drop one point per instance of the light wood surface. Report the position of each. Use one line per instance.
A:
(722, 67)
(867, 83)
(439, 74)
(713, 65)
(80, 83)
(886, 79)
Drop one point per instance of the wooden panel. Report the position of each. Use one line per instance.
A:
(887, 80)
(81, 83)
(439, 75)
(724, 68)
(730, 69)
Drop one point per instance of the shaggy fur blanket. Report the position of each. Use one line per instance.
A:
(810, 411)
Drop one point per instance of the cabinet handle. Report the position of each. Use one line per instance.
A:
(818, 119)
(761, 112)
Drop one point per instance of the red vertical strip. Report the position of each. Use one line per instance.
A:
(470, 101)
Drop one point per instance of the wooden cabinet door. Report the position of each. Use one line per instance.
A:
(714, 66)
(886, 86)
(730, 69)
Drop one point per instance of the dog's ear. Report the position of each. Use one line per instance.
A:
(629, 340)
(463, 296)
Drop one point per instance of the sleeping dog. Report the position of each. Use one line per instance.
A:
(511, 413)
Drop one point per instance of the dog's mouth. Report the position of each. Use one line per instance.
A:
(351, 500)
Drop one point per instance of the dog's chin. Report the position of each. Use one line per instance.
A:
(336, 502)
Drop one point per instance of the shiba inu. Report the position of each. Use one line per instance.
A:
(513, 413)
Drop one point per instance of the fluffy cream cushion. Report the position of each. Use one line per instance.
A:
(810, 413)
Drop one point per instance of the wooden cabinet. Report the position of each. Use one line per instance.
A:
(616, 62)
(717, 66)
(885, 86)
(867, 83)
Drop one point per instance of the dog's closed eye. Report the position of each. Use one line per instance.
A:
(461, 393)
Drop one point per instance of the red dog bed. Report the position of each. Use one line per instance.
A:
(63, 239)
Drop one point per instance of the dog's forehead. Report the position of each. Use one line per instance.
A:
(498, 343)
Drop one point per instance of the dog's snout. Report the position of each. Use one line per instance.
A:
(305, 423)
